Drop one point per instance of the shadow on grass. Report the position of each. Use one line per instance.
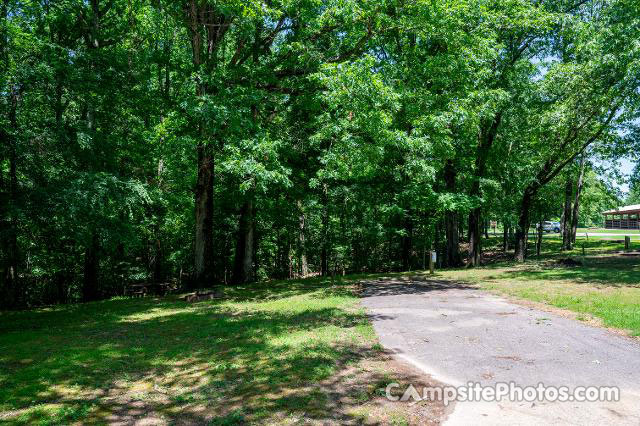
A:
(223, 362)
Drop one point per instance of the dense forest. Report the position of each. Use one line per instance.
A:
(222, 142)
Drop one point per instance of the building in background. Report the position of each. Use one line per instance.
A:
(622, 218)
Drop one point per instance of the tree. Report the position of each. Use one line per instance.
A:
(224, 142)
(585, 100)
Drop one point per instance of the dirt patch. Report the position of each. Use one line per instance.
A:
(630, 254)
(200, 296)
(491, 257)
(358, 394)
(569, 262)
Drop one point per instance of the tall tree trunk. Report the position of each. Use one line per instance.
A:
(203, 271)
(243, 266)
(5, 289)
(92, 39)
(59, 107)
(324, 254)
(576, 201)
(437, 239)
(94, 28)
(10, 273)
(291, 273)
(452, 236)
(475, 236)
(452, 250)
(167, 68)
(539, 238)
(486, 138)
(197, 15)
(344, 236)
(566, 217)
(158, 265)
(91, 269)
(157, 261)
(505, 237)
(522, 231)
(61, 280)
(304, 267)
(407, 241)
(424, 245)
(283, 254)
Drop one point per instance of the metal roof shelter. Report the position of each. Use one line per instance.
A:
(627, 217)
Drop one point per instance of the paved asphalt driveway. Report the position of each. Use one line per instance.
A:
(459, 334)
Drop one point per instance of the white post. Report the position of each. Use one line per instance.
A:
(432, 262)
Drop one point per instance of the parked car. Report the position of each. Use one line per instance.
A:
(548, 226)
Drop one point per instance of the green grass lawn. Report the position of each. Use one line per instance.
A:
(266, 354)
(582, 230)
(608, 234)
(591, 246)
(552, 244)
(608, 231)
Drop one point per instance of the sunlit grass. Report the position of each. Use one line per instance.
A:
(249, 357)
(608, 231)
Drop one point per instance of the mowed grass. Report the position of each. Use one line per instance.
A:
(607, 231)
(605, 286)
(259, 355)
